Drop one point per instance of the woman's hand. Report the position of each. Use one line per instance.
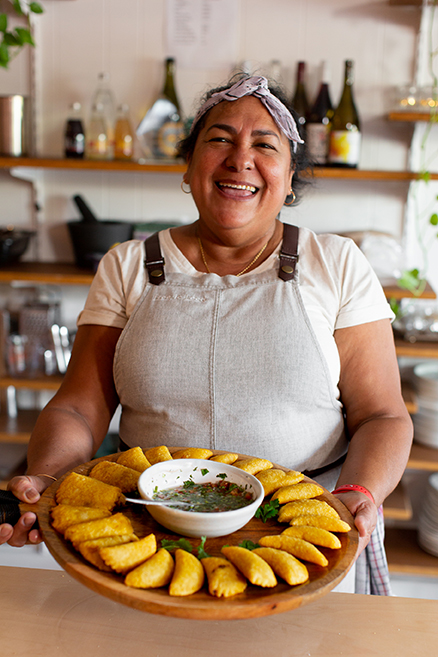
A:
(364, 512)
(28, 489)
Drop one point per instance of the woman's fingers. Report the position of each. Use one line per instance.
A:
(27, 489)
(364, 513)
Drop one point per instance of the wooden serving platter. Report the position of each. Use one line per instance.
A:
(254, 602)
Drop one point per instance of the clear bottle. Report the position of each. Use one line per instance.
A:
(74, 135)
(163, 127)
(319, 121)
(345, 134)
(123, 135)
(300, 102)
(104, 97)
(97, 141)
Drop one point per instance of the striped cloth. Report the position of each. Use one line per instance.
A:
(372, 575)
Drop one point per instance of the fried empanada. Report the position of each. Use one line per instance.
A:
(188, 576)
(135, 459)
(117, 475)
(273, 479)
(314, 535)
(123, 558)
(253, 465)
(90, 549)
(193, 453)
(64, 515)
(79, 490)
(153, 573)
(284, 565)
(325, 522)
(158, 454)
(303, 490)
(295, 546)
(113, 526)
(306, 508)
(253, 567)
(224, 580)
(228, 457)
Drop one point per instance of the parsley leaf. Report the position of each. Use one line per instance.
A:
(221, 475)
(249, 545)
(189, 483)
(204, 471)
(182, 543)
(268, 510)
(202, 554)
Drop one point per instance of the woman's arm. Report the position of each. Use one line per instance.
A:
(377, 420)
(72, 426)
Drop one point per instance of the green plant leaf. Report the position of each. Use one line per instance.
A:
(202, 554)
(4, 55)
(424, 175)
(410, 280)
(249, 545)
(434, 219)
(394, 305)
(268, 510)
(17, 7)
(24, 36)
(36, 8)
(181, 543)
(3, 22)
(11, 40)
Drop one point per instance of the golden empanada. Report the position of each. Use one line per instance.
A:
(153, 573)
(273, 479)
(253, 567)
(306, 508)
(224, 580)
(135, 459)
(295, 546)
(79, 490)
(158, 454)
(64, 515)
(117, 475)
(113, 526)
(304, 490)
(90, 549)
(123, 558)
(253, 465)
(192, 453)
(227, 457)
(315, 535)
(325, 522)
(188, 576)
(284, 565)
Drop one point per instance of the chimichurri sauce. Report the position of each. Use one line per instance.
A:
(209, 497)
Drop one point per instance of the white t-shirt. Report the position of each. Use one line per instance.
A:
(338, 286)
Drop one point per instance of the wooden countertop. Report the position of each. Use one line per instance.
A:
(46, 612)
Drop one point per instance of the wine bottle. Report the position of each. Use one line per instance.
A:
(104, 98)
(299, 100)
(97, 145)
(74, 135)
(162, 126)
(345, 135)
(318, 121)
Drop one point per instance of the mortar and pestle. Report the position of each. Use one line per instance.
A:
(92, 238)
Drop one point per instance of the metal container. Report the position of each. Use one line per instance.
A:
(14, 125)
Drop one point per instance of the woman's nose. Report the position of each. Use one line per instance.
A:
(240, 158)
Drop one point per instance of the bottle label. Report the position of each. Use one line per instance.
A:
(170, 133)
(345, 147)
(318, 141)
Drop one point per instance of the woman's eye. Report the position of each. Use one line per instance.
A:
(219, 139)
(266, 145)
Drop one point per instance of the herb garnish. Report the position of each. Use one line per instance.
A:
(268, 510)
(221, 475)
(249, 545)
(189, 483)
(204, 472)
(202, 554)
(182, 543)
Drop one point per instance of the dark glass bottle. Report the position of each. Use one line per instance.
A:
(74, 135)
(300, 102)
(319, 122)
(345, 135)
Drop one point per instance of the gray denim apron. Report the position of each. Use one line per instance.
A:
(228, 363)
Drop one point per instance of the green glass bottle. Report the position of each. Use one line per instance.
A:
(345, 135)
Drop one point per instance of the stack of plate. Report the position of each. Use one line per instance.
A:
(425, 378)
(428, 521)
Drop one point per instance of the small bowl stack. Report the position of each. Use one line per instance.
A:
(425, 379)
(428, 521)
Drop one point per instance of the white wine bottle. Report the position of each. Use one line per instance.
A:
(299, 99)
(345, 135)
(319, 121)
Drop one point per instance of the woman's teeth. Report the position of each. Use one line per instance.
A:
(248, 188)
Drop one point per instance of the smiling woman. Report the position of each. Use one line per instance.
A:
(238, 333)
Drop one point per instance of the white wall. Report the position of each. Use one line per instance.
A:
(79, 38)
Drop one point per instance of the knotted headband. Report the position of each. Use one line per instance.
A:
(258, 87)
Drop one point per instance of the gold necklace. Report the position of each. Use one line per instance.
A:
(201, 248)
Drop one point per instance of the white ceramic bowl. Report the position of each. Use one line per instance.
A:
(169, 474)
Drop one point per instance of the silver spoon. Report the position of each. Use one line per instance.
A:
(136, 500)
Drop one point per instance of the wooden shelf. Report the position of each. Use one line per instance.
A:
(410, 117)
(394, 291)
(423, 458)
(17, 430)
(416, 349)
(42, 383)
(56, 273)
(397, 506)
(180, 167)
(405, 555)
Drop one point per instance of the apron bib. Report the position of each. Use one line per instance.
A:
(228, 363)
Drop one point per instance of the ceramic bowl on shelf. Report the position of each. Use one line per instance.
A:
(13, 243)
(170, 474)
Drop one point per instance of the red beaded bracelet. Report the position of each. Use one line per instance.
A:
(347, 487)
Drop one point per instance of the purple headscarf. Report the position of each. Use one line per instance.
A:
(258, 87)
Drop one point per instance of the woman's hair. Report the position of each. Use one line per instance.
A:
(300, 160)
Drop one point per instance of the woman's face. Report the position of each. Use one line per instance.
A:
(240, 171)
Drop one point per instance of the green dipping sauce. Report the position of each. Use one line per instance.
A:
(210, 497)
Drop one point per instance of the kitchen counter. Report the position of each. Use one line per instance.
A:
(47, 613)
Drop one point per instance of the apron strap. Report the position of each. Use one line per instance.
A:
(154, 261)
(289, 252)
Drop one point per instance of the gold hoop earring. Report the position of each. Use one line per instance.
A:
(182, 188)
(291, 193)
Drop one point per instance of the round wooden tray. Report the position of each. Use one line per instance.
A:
(254, 602)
